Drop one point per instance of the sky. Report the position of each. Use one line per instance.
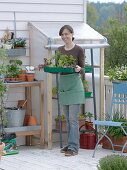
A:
(115, 1)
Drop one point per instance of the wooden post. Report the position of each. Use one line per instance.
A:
(42, 136)
(29, 110)
(101, 84)
(49, 104)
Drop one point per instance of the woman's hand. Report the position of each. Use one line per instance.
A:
(77, 69)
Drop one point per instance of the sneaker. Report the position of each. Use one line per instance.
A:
(63, 150)
(70, 152)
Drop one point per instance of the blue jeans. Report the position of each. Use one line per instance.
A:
(71, 112)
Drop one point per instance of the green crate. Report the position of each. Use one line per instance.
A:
(59, 70)
(87, 94)
(88, 69)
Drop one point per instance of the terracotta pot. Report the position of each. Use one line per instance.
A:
(7, 79)
(106, 144)
(12, 79)
(2, 146)
(30, 77)
(18, 47)
(21, 104)
(64, 126)
(32, 121)
(22, 77)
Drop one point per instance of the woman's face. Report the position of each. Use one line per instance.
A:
(66, 36)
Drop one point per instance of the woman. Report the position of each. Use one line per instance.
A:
(71, 92)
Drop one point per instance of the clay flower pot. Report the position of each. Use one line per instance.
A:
(22, 77)
(63, 124)
(106, 144)
(32, 121)
(30, 76)
(22, 104)
(2, 146)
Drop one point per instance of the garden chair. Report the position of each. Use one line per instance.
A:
(119, 98)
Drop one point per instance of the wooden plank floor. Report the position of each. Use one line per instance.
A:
(34, 158)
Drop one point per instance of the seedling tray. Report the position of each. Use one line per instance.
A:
(88, 69)
(87, 94)
(59, 70)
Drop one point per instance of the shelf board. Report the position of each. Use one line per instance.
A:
(58, 131)
(22, 128)
(16, 52)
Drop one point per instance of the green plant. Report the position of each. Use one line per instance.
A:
(82, 116)
(116, 54)
(62, 117)
(19, 42)
(117, 73)
(89, 116)
(54, 90)
(113, 162)
(13, 68)
(3, 87)
(85, 85)
(117, 132)
(61, 60)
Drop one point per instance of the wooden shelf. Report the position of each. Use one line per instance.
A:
(16, 52)
(30, 130)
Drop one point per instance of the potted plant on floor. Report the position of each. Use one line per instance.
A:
(116, 134)
(89, 123)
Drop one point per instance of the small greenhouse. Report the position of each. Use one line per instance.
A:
(44, 40)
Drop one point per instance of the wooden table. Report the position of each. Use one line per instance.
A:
(30, 130)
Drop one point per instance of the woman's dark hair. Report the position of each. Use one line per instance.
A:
(69, 28)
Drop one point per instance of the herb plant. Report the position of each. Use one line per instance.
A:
(117, 132)
(61, 60)
(13, 68)
(113, 162)
(117, 73)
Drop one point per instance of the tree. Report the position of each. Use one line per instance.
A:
(116, 54)
(92, 15)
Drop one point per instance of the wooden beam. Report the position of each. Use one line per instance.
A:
(42, 135)
(101, 84)
(28, 133)
(49, 104)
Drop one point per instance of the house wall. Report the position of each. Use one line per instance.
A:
(37, 11)
(16, 14)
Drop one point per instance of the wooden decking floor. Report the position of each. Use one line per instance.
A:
(34, 158)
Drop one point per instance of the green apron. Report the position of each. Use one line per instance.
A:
(71, 89)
